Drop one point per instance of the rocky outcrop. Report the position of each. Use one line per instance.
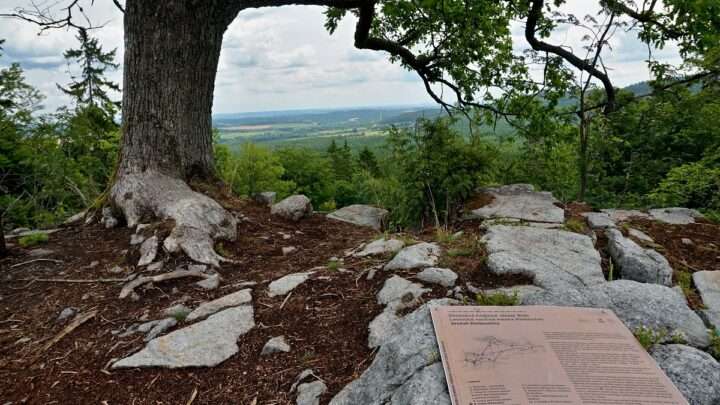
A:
(520, 201)
(293, 208)
(599, 220)
(363, 215)
(675, 215)
(636, 263)
(695, 373)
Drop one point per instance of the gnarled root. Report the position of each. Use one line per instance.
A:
(199, 220)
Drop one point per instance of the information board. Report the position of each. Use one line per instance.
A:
(546, 356)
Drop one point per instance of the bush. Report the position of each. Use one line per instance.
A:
(33, 239)
(695, 185)
(252, 170)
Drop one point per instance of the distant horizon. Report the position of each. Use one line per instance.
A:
(326, 109)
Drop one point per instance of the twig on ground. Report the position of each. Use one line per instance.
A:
(66, 280)
(285, 300)
(77, 322)
(35, 261)
(130, 287)
(193, 396)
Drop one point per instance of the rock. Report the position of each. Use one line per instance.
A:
(266, 197)
(310, 393)
(275, 345)
(179, 312)
(204, 344)
(435, 275)
(288, 249)
(687, 241)
(108, 219)
(210, 283)
(708, 284)
(639, 235)
(154, 267)
(137, 239)
(623, 215)
(293, 208)
(116, 270)
(363, 215)
(305, 374)
(553, 258)
(399, 293)
(637, 304)
(416, 256)
(695, 373)
(380, 247)
(75, 218)
(159, 328)
(148, 251)
(382, 327)
(522, 203)
(521, 291)
(405, 370)
(66, 313)
(636, 263)
(288, 283)
(231, 300)
(675, 215)
(599, 220)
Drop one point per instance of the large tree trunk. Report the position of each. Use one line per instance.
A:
(172, 50)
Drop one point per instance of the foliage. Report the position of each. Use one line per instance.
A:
(252, 170)
(311, 172)
(33, 239)
(498, 298)
(714, 348)
(648, 337)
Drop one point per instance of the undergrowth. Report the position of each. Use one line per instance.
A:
(33, 239)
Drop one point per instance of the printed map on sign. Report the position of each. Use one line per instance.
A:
(546, 356)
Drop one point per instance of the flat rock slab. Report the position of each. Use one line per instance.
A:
(521, 203)
(637, 263)
(436, 275)
(293, 208)
(204, 344)
(599, 220)
(637, 304)
(363, 215)
(380, 247)
(553, 258)
(708, 284)
(288, 283)
(417, 256)
(406, 370)
(619, 215)
(675, 215)
(231, 300)
(640, 235)
(695, 373)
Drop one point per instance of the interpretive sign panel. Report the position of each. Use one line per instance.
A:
(546, 356)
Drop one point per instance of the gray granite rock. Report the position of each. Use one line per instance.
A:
(310, 393)
(599, 220)
(619, 215)
(708, 284)
(400, 293)
(159, 328)
(210, 283)
(637, 263)
(520, 202)
(399, 373)
(675, 215)
(178, 311)
(293, 208)
(66, 314)
(382, 327)
(380, 247)
(436, 275)
(275, 345)
(636, 304)
(553, 258)
(148, 251)
(288, 283)
(363, 215)
(639, 235)
(136, 239)
(417, 256)
(231, 300)
(204, 344)
(695, 373)
(520, 291)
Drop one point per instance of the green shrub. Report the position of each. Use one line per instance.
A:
(648, 337)
(497, 299)
(33, 239)
(695, 185)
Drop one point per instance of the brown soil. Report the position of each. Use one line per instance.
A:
(324, 320)
(479, 201)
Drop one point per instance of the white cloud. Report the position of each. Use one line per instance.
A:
(283, 58)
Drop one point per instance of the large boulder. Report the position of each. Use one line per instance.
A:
(363, 215)
(637, 263)
(637, 304)
(695, 373)
(293, 208)
(406, 370)
(675, 215)
(519, 201)
(417, 256)
(553, 258)
(708, 284)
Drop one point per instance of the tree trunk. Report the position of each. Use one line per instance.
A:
(172, 50)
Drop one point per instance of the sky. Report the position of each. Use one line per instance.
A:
(283, 58)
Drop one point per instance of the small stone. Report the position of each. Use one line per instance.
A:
(288, 283)
(400, 293)
(275, 345)
(66, 313)
(302, 377)
(435, 275)
(288, 249)
(416, 256)
(687, 241)
(93, 264)
(108, 219)
(310, 393)
(116, 270)
(380, 247)
(639, 235)
(293, 208)
(231, 300)
(137, 239)
(148, 251)
(210, 283)
(157, 266)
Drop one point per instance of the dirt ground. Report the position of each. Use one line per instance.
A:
(324, 320)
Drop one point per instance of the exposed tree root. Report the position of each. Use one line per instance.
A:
(199, 220)
(130, 287)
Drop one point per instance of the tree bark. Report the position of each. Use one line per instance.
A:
(172, 50)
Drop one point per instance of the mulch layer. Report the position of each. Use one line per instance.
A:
(324, 320)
